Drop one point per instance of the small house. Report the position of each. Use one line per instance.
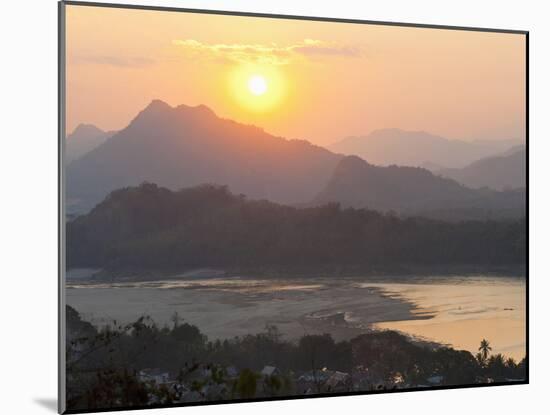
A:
(154, 375)
(270, 371)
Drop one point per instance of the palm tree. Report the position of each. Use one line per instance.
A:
(479, 359)
(485, 348)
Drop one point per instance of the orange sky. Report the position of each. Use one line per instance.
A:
(325, 80)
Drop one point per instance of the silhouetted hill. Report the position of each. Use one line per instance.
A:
(410, 190)
(187, 146)
(416, 148)
(152, 228)
(84, 139)
(507, 171)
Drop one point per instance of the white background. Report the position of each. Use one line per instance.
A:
(28, 224)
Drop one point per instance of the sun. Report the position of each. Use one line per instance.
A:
(257, 85)
(257, 88)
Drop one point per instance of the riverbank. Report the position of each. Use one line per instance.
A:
(105, 275)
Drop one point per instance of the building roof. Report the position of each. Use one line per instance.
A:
(270, 371)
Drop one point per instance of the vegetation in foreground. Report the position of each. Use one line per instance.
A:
(142, 364)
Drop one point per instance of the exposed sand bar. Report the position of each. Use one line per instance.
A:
(449, 310)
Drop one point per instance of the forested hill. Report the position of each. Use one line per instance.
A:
(152, 228)
(412, 191)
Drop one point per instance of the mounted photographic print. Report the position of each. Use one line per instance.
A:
(258, 207)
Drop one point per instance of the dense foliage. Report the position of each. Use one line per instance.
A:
(103, 365)
(149, 227)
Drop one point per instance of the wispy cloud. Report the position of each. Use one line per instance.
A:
(267, 53)
(118, 61)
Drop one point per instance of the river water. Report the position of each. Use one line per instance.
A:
(458, 311)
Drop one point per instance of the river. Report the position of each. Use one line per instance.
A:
(457, 311)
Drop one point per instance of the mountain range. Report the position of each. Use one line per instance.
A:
(505, 171)
(418, 148)
(414, 191)
(84, 139)
(183, 146)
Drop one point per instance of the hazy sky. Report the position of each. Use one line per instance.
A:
(319, 81)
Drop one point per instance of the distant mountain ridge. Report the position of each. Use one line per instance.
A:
(84, 139)
(412, 190)
(418, 148)
(506, 171)
(185, 146)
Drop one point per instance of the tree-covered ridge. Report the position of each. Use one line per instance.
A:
(414, 191)
(141, 364)
(150, 227)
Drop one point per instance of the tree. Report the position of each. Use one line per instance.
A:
(479, 359)
(485, 349)
(272, 385)
(496, 367)
(246, 384)
(115, 388)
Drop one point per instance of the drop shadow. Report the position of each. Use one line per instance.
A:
(48, 403)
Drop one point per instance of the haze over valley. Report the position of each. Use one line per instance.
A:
(419, 148)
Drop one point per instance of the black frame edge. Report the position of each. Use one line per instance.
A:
(290, 17)
(296, 397)
(527, 141)
(61, 314)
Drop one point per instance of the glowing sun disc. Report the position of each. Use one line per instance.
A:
(257, 85)
(257, 88)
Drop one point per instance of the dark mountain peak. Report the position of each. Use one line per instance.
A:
(199, 110)
(398, 133)
(189, 145)
(86, 130)
(352, 163)
(158, 105)
(155, 108)
(158, 113)
(502, 171)
(84, 139)
(357, 183)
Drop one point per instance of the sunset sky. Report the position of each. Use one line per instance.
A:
(317, 81)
